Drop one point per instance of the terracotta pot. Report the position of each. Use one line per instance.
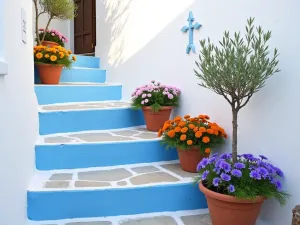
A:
(49, 74)
(156, 120)
(190, 158)
(49, 44)
(225, 209)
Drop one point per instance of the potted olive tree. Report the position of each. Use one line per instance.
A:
(235, 185)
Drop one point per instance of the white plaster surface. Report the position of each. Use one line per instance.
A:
(137, 47)
(18, 114)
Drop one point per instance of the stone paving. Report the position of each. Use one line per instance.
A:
(129, 176)
(101, 136)
(199, 219)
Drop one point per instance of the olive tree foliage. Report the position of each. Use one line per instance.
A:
(237, 69)
(56, 9)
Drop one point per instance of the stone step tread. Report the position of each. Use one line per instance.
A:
(85, 68)
(139, 133)
(194, 217)
(79, 84)
(84, 106)
(126, 176)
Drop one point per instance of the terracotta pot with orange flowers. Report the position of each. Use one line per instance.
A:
(50, 62)
(193, 137)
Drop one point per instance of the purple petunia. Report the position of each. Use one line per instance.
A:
(255, 175)
(216, 181)
(225, 177)
(239, 165)
(231, 188)
(225, 166)
(236, 173)
(204, 175)
(263, 172)
(218, 163)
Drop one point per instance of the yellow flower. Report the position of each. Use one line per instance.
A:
(69, 51)
(61, 55)
(74, 58)
(53, 58)
(39, 55)
(47, 56)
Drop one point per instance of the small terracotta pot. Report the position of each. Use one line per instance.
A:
(156, 120)
(190, 158)
(225, 209)
(49, 74)
(49, 44)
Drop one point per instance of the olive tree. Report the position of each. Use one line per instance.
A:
(237, 69)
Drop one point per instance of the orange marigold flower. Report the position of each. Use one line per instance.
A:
(191, 126)
(203, 120)
(165, 127)
(205, 139)
(216, 132)
(171, 133)
(207, 150)
(202, 129)
(198, 134)
(39, 55)
(189, 142)
(168, 122)
(207, 117)
(184, 130)
(196, 129)
(177, 119)
(201, 116)
(210, 131)
(177, 129)
(182, 124)
(225, 135)
(183, 137)
(159, 133)
(187, 116)
(214, 127)
(53, 58)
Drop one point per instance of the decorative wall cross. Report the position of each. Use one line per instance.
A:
(191, 28)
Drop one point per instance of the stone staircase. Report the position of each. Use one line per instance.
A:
(98, 165)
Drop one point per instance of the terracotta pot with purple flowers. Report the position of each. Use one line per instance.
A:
(235, 185)
(156, 101)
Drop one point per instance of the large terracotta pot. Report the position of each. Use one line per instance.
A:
(49, 44)
(49, 74)
(228, 210)
(190, 158)
(156, 120)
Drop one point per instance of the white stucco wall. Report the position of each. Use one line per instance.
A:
(18, 114)
(141, 40)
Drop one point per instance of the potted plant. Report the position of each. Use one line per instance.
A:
(235, 185)
(52, 38)
(156, 101)
(56, 9)
(193, 137)
(50, 62)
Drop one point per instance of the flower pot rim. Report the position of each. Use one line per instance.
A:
(162, 108)
(48, 64)
(228, 198)
(50, 42)
(189, 149)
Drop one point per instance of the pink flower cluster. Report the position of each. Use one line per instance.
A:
(147, 91)
(54, 32)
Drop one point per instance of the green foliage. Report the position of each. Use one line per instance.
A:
(155, 95)
(59, 9)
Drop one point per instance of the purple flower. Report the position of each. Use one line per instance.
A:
(277, 184)
(217, 170)
(231, 188)
(212, 160)
(255, 175)
(215, 155)
(263, 172)
(149, 95)
(146, 100)
(247, 156)
(166, 89)
(204, 175)
(202, 164)
(239, 165)
(278, 172)
(226, 156)
(170, 96)
(225, 177)
(236, 173)
(225, 166)
(216, 181)
(158, 83)
(144, 96)
(263, 157)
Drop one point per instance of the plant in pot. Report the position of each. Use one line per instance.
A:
(193, 137)
(50, 62)
(235, 185)
(55, 9)
(156, 101)
(52, 38)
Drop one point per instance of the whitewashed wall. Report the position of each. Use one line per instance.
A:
(141, 40)
(18, 114)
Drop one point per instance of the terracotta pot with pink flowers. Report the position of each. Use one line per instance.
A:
(156, 101)
(52, 38)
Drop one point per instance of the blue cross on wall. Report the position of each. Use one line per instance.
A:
(191, 28)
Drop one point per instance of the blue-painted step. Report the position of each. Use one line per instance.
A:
(83, 75)
(55, 205)
(72, 156)
(86, 61)
(95, 119)
(51, 94)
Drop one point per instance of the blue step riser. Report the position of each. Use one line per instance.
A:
(113, 202)
(74, 121)
(52, 94)
(86, 61)
(52, 157)
(78, 75)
